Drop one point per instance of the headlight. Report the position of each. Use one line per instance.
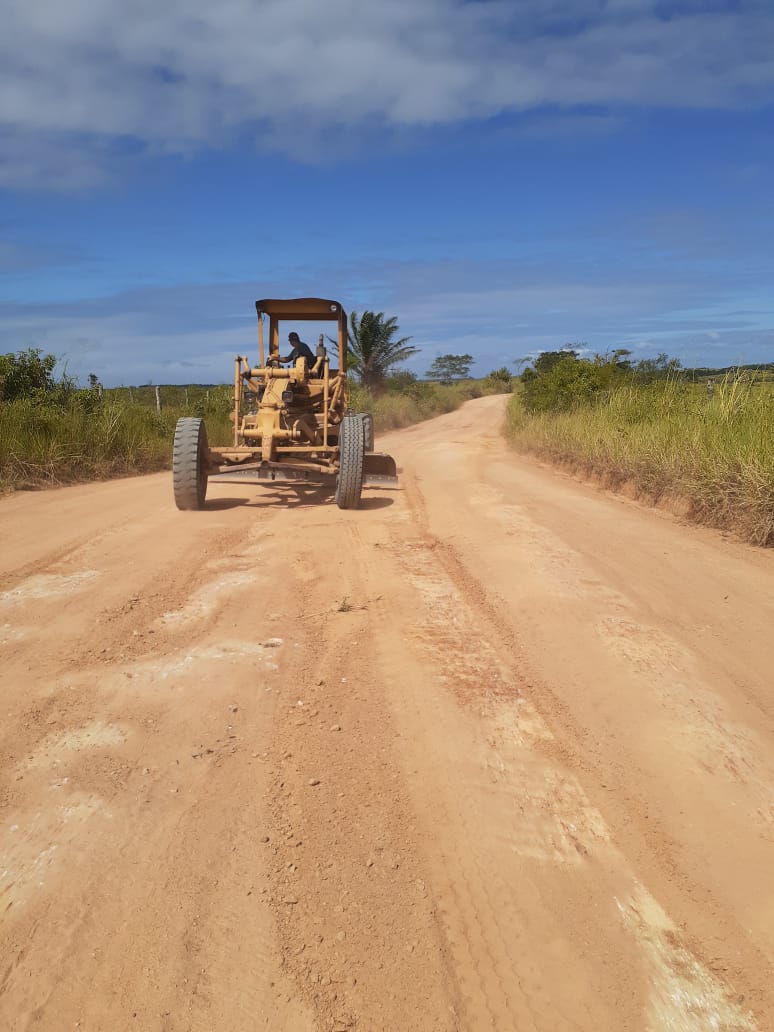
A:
(287, 397)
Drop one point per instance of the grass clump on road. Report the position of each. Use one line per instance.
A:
(711, 450)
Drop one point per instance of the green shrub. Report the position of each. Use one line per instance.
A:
(560, 381)
(30, 374)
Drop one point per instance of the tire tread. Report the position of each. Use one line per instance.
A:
(349, 483)
(188, 480)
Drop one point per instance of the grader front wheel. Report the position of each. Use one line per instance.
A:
(349, 483)
(189, 463)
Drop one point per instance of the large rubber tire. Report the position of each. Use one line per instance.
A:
(349, 483)
(368, 430)
(189, 463)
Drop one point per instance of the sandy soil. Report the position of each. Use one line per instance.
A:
(495, 751)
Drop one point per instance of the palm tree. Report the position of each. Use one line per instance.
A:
(371, 350)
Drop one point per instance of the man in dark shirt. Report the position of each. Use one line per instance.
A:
(299, 350)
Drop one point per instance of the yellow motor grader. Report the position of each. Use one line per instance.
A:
(290, 423)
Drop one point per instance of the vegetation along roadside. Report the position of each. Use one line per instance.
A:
(706, 445)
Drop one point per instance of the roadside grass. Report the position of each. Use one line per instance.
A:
(713, 454)
(83, 438)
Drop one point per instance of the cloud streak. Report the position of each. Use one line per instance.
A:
(80, 79)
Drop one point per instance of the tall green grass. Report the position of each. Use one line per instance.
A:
(84, 438)
(670, 439)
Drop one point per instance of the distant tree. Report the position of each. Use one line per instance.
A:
(372, 350)
(620, 358)
(448, 368)
(660, 368)
(546, 360)
(501, 380)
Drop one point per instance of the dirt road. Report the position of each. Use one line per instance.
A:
(495, 751)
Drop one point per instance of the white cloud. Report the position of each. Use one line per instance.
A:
(80, 75)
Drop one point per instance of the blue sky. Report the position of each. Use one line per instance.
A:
(503, 176)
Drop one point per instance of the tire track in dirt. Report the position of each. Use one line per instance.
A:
(737, 956)
(356, 918)
(130, 860)
(527, 790)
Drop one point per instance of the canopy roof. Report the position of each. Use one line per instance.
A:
(297, 308)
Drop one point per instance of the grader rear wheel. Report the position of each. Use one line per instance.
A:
(349, 483)
(189, 463)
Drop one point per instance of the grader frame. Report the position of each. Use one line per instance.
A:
(289, 423)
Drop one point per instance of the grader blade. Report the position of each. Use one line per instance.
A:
(379, 468)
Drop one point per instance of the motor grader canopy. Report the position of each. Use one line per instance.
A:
(301, 309)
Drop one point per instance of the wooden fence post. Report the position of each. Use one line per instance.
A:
(158, 399)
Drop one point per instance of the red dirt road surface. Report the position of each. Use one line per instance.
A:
(493, 752)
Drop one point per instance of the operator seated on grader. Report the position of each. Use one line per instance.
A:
(299, 350)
